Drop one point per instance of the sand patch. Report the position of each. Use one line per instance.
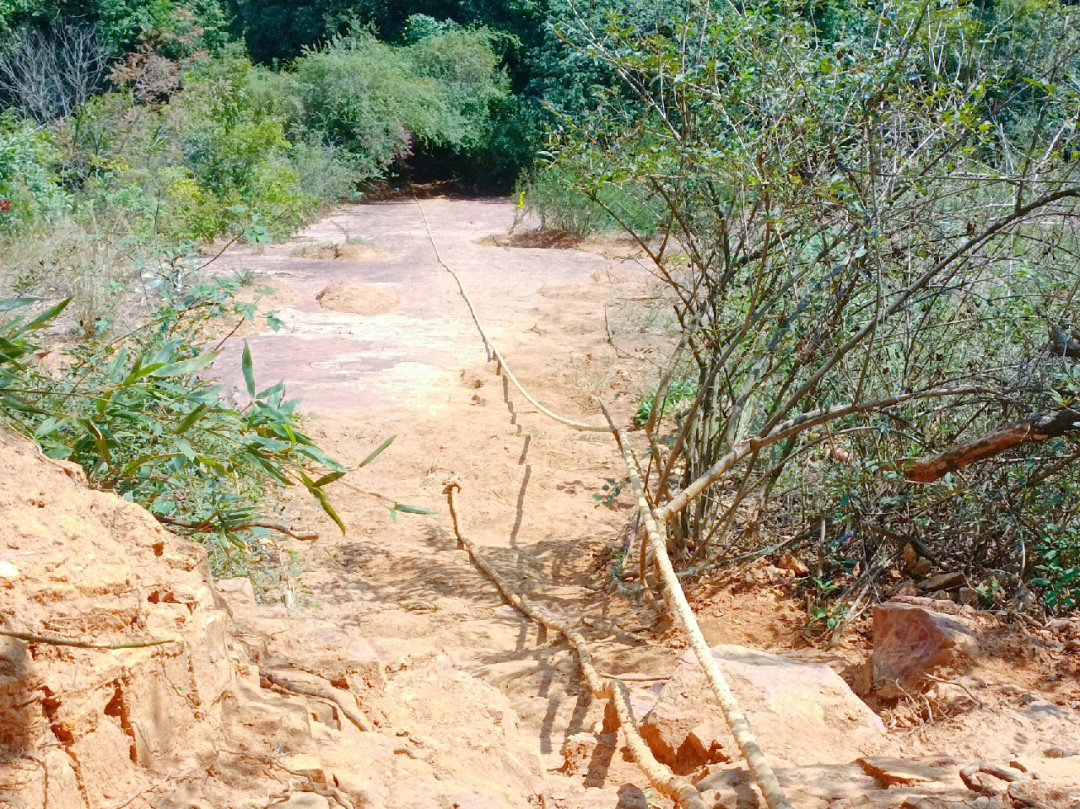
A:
(542, 239)
(341, 252)
(358, 299)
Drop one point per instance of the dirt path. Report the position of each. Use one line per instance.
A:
(377, 341)
(413, 367)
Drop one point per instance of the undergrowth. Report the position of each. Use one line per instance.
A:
(137, 414)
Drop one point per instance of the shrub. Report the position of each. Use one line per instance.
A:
(135, 413)
(863, 273)
(382, 103)
(28, 183)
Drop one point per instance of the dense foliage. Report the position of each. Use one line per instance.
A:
(868, 218)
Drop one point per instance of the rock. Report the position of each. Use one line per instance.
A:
(910, 557)
(1061, 752)
(641, 702)
(942, 581)
(898, 772)
(969, 597)
(1032, 793)
(906, 588)
(921, 568)
(911, 642)
(793, 563)
(306, 765)
(577, 750)
(8, 571)
(238, 592)
(805, 710)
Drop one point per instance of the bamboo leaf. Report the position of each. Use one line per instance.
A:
(378, 450)
(249, 374)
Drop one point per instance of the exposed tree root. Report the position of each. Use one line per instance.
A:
(678, 788)
(284, 681)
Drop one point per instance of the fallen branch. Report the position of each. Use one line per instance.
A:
(678, 788)
(208, 527)
(1034, 428)
(681, 613)
(83, 644)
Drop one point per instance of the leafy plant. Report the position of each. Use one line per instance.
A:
(862, 267)
(610, 491)
(679, 390)
(135, 413)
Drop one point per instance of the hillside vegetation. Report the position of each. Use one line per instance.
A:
(864, 214)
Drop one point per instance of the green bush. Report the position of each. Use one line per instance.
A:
(564, 200)
(137, 416)
(381, 103)
(29, 187)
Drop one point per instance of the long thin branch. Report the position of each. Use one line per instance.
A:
(52, 640)
(1033, 428)
(787, 429)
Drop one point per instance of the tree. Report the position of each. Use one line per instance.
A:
(50, 73)
(870, 221)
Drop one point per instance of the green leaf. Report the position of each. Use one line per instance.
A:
(185, 366)
(8, 304)
(190, 420)
(249, 374)
(329, 478)
(404, 509)
(100, 444)
(320, 498)
(43, 319)
(378, 450)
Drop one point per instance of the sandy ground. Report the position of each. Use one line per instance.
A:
(378, 342)
(396, 354)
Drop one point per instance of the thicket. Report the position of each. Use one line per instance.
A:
(867, 223)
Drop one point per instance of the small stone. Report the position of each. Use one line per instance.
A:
(943, 581)
(577, 751)
(921, 568)
(793, 563)
(968, 597)
(8, 571)
(907, 588)
(1061, 752)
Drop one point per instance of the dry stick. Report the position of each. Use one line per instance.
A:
(786, 429)
(490, 348)
(614, 690)
(82, 644)
(610, 689)
(679, 607)
(321, 692)
(207, 527)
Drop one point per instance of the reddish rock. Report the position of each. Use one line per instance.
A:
(942, 581)
(890, 772)
(793, 564)
(911, 641)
